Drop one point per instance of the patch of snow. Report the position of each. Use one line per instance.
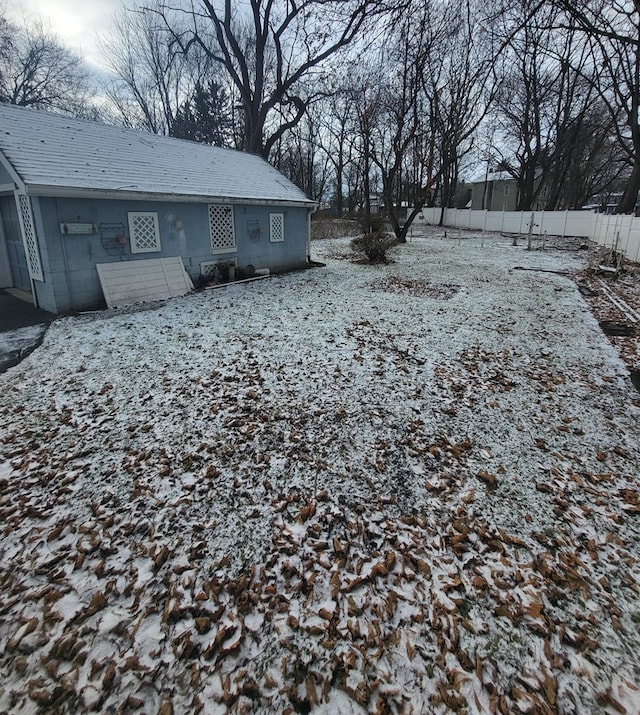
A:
(343, 490)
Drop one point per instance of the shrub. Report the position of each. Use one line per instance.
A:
(374, 245)
(373, 223)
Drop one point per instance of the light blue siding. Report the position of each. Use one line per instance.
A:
(5, 177)
(71, 279)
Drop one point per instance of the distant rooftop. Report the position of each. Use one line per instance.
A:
(480, 176)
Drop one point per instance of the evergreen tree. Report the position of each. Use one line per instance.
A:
(205, 116)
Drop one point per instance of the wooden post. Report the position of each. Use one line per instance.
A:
(530, 234)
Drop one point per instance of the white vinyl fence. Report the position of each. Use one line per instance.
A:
(614, 231)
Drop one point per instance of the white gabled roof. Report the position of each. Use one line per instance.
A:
(57, 155)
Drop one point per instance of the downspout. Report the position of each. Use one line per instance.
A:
(65, 260)
(36, 302)
(310, 212)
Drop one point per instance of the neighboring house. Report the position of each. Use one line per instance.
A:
(463, 196)
(498, 192)
(607, 203)
(75, 194)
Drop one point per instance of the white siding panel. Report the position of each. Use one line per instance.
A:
(135, 281)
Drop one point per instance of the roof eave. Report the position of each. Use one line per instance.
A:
(126, 194)
(12, 172)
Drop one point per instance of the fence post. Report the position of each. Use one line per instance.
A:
(564, 227)
(615, 228)
(530, 234)
(626, 247)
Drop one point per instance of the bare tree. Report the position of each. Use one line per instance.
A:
(548, 104)
(555, 114)
(460, 80)
(299, 156)
(526, 101)
(267, 47)
(438, 85)
(152, 78)
(613, 30)
(337, 140)
(593, 163)
(37, 70)
(583, 157)
(399, 117)
(367, 96)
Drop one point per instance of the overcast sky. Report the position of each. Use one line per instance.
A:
(76, 22)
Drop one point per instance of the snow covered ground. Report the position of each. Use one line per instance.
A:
(409, 488)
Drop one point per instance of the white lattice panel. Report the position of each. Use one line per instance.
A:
(29, 238)
(221, 228)
(276, 228)
(144, 232)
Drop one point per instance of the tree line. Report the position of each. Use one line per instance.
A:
(370, 100)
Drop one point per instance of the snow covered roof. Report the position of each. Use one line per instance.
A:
(480, 175)
(50, 154)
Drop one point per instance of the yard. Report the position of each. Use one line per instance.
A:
(409, 488)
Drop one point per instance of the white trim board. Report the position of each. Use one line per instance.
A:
(128, 282)
(129, 195)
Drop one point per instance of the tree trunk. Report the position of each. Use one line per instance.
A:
(253, 132)
(627, 204)
(339, 181)
(387, 192)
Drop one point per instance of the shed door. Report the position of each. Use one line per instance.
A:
(15, 246)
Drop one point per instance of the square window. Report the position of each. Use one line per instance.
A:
(276, 228)
(144, 232)
(222, 229)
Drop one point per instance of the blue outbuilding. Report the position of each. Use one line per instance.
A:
(76, 196)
